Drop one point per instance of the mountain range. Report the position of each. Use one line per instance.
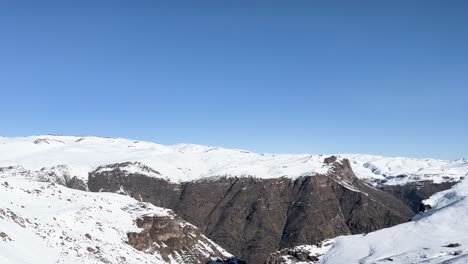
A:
(69, 199)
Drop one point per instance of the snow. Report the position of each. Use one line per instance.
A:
(401, 170)
(187, 162)
(57, 174)
(423, 240)
(48, 223)
(311, 250)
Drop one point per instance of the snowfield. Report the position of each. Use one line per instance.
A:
(186, 162)
(439, 235)
(47, 223)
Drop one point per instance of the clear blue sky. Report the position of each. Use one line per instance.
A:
(381, 77)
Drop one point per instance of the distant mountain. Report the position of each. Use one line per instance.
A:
(186, 162)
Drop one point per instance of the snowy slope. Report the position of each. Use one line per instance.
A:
(424, 240)
(185, 162)
(48, 223)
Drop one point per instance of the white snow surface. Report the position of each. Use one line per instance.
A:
(186, 162)
(423, 240)
(46, 223)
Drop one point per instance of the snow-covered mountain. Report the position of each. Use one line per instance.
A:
(64, 225)
(186, 162)
(438, 235)
(48, 223)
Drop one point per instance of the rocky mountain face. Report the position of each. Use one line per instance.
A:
(173, 238)
(435, 236)
(413, 193)
(289, 202)
(253, 217)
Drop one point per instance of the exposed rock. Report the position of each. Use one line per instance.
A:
(329, 160)
(76, 183)
(90, 249)
(300, 254)
(453, 245)
(171, 237)
(252, 218)
(13, 171)
(413, 193)
(114, 178)
(6, 213)
(93, 227)
(59, 174)
(424, 207)
(232, 260)
(4, 237)
(47, 141)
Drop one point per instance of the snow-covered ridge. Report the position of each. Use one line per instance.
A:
(59, 174)
(43, 222)
(129, 168)
(186, 162)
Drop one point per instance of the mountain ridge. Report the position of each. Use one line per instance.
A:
(185, 162)
(252, 204)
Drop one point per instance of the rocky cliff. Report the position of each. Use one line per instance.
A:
(173, 239)
(253, 217)
(413, 193)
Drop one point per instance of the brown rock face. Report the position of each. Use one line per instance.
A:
(252, 218)
(172, 237)
(413, 193)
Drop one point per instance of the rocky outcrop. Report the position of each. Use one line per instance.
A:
(252, 217)
(4, 237)
(59, 174)
(172, 238)
(413, 193)
(76, 183)
(300, 254)
(137, 183)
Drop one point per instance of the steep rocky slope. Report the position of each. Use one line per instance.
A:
(43, 222)
(253, 217)
(413, 193)
(435, 236)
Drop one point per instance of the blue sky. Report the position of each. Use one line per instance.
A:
(381, 77)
